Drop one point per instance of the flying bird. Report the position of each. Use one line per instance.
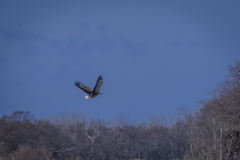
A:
(91, 93)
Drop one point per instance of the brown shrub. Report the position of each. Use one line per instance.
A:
(29, 153)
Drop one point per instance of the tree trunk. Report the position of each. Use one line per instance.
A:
(221, 145)
(214, 138)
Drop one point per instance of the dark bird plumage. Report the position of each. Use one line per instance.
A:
(91, 93)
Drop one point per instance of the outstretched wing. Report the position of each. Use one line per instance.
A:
(98, 85)
(83, 87)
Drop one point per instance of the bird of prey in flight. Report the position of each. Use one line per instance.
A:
(91, 93)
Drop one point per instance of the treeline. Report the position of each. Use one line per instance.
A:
(210, 133)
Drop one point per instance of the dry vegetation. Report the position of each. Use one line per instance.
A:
(212, 132)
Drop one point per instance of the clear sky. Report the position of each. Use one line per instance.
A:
(153, 56)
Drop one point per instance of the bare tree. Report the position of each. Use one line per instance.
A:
(94, 130)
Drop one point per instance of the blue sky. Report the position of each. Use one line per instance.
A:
(153, 56)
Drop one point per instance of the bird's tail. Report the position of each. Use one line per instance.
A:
(86, 97)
